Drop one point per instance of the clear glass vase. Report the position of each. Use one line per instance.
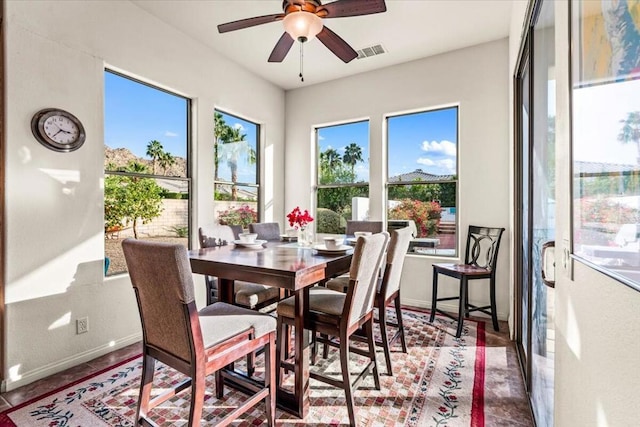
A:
(305, 236)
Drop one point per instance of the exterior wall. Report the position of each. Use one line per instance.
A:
(56, 53)
(474, 78)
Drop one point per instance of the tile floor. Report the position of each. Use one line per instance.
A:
(506, 402)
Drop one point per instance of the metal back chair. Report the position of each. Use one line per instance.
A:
(195, 343)
(480, 260)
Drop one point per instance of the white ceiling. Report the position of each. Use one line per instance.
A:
(408, 30)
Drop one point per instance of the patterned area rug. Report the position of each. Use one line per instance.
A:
(440, 381)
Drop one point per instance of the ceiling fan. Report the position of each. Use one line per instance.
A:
(302, 20)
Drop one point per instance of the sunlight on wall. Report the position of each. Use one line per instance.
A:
(76, 267)
(267, 188)
(602, 416)
(573, 331)
(64, 320)
(13, 372)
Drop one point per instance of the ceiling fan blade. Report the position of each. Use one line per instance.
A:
(335, 44)
(249, 22)
(342, 8)
(282, 48)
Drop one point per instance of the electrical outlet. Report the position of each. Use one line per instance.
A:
(82, 325)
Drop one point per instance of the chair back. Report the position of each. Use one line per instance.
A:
(365, 265)
(266, 230)
(482, 247)
(209, 235)
(398, 246)
(162, 280)
(372, 226)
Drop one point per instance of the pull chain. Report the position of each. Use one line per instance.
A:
(301, 62)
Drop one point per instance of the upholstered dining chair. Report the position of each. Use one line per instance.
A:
(249, 295)
(388, 291)
(195, 343)
(371, 226)
(480, 260)
(266, 230)
(336, 314)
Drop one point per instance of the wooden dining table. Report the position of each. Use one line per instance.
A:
(282, 265)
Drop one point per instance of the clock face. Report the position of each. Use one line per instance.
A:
(61, 129)
(58, 130)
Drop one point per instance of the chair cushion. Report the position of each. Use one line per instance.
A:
(339, 284)
(321, 300)
(220, 321)
(252, 294)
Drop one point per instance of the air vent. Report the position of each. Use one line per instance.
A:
(370, 51)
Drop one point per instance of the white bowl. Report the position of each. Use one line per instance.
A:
(332, 242)
(248, 237)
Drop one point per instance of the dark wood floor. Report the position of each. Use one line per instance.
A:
(506, 402)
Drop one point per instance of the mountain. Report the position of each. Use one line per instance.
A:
(120, 158)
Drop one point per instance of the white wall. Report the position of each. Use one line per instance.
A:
(475, 79)
(55, 57)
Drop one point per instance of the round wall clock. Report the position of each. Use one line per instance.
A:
(58, 130)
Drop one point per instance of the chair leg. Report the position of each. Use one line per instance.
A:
(281, 331)
(463, 304)
(466, 301)
(346, 379)
(382, 318)
(197, 399)
(403, 340)
(492, 296)
(270, 381)
(219, 384)
(146, 383)
(372, 353)
(251, 366)
(325, 346)
(434, 296)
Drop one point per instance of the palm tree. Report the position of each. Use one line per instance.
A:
(155, 151)
(630, 131)
(352, 155)
(330, 158)
(233, 146)
(221, 133)
(166, 160)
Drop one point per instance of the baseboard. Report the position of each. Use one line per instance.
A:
(446, 306)
(59, 366)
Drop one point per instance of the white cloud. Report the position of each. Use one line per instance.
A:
(170, 134)
(445, 147)
(426, 162)
(239, 126)
(440, 167)
(320, 137)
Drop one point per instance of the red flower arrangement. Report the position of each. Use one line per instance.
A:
(299, 219)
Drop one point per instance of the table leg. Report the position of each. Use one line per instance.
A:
(298, 402)
(225, 290)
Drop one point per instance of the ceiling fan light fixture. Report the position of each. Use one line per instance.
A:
(302, 26)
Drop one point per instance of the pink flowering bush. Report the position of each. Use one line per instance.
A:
(426, 215)
(244, 215)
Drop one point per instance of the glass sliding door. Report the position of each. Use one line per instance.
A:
(535, 86)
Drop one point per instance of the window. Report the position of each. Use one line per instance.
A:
(343, 176)
(236, 170)
(422, 178)
(606, 139)
(146, 185)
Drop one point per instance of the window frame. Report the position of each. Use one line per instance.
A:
(258, 183)
(188, 162)
(317, 151)
(456, 181)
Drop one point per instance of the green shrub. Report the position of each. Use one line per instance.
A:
(329, 222)
(180, 230)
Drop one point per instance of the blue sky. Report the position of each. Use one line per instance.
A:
(426, 140)
(135, 114)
